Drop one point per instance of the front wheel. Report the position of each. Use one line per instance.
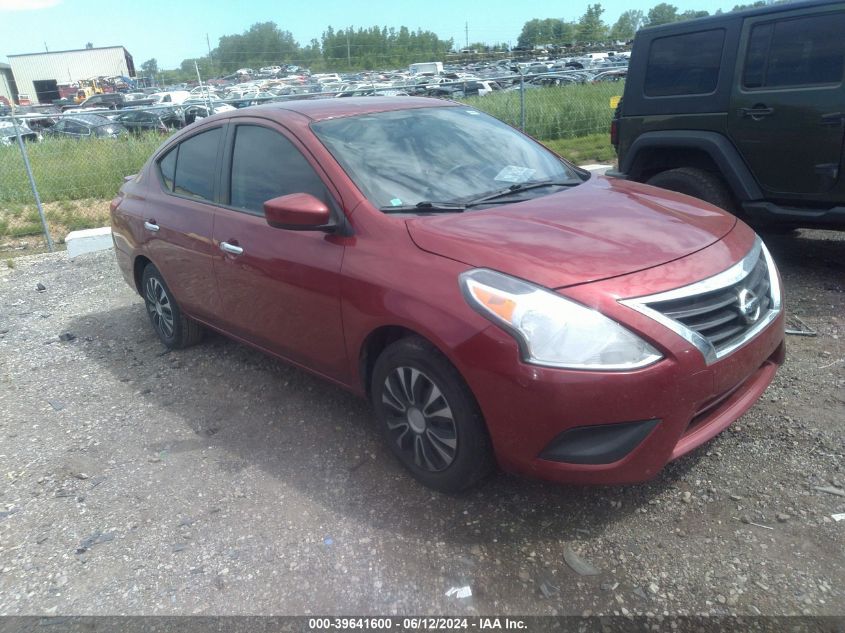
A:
(429, 417)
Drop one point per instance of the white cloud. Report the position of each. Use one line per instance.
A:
(27, 5)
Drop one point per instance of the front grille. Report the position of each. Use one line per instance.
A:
(718, 315)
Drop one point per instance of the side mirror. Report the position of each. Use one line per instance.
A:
(298, 212)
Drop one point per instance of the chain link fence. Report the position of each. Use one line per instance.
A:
(59, 170)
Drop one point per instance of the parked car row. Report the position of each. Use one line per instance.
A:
(113, 115)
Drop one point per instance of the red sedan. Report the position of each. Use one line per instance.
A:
(497, 305)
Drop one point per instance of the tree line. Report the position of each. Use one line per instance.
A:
(351, 48)
(590, 28)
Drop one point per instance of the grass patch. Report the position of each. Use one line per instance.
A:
(594, 148)
(555, 112)
(61, 219)
(67, 169)
(23, 230)
(10, 263)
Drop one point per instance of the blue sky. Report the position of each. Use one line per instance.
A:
(172, 30)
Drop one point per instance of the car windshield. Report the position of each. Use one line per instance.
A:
(450, 154)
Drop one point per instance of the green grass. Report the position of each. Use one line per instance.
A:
(594, 148)
(24, 230)
(66, 169)
(555, 112)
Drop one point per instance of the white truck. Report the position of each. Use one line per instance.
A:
(435, 68)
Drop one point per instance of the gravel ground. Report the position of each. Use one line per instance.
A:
(218, 481)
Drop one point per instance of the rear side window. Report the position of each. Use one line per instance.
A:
(167, 165)
(685, 64)
(796, 52)
(195, 165)
(266, 165)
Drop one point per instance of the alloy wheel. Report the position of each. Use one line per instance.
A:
(159, 307)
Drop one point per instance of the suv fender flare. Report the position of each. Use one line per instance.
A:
(715, 145)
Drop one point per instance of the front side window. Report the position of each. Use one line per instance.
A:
(796, 52)
(685, 64)
(195, 164)
(266, 165)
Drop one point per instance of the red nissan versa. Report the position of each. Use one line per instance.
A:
(496, 304)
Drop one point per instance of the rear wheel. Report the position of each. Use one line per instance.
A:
(429, 417)
(173, 328)
(697, 183)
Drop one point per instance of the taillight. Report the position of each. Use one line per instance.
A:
(614, 132)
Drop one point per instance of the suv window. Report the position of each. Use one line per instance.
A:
(266, 165)
(686, 64)
(796, 52)
(195, 161)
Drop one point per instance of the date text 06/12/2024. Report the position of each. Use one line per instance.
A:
(418, 623)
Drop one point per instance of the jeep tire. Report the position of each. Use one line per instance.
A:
(697, 183)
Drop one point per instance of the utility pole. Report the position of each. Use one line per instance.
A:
(45, 47)
(210, 58)
(466, 33)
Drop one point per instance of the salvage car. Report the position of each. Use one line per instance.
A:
(496, 308)
(8, 133)
(86, 126)
(163, 120)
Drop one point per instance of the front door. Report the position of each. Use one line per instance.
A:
(280, 289)
(787, 113)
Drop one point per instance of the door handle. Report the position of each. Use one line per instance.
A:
(150, 225)
(232, 249)
(833, 119)
(757, 112)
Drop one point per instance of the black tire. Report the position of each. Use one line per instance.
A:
(438, 465)
(174, 329)
(697, 183)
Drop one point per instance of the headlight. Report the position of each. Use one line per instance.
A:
(552, 330)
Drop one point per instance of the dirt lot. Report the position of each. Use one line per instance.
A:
(217, 480)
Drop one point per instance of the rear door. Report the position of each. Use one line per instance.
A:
(788, 102)
(180, 216)
(282, 289)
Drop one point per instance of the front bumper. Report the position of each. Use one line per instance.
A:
(686, 401)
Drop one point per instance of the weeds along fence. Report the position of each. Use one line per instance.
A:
(76, 169)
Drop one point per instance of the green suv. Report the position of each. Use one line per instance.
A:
(745, 110)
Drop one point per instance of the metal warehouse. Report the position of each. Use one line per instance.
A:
(39, 75)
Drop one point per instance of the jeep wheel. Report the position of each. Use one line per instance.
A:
(697, 183)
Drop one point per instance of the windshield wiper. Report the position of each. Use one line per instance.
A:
(519, 188)
(425, 206)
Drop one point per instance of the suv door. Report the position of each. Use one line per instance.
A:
(180, 216)
(788, 100)
(279, 289)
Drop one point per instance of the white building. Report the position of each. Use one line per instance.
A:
(38, 75)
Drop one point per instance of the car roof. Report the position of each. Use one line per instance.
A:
(322, 109)
(92, 119)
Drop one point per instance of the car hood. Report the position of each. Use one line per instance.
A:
(600, 229)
